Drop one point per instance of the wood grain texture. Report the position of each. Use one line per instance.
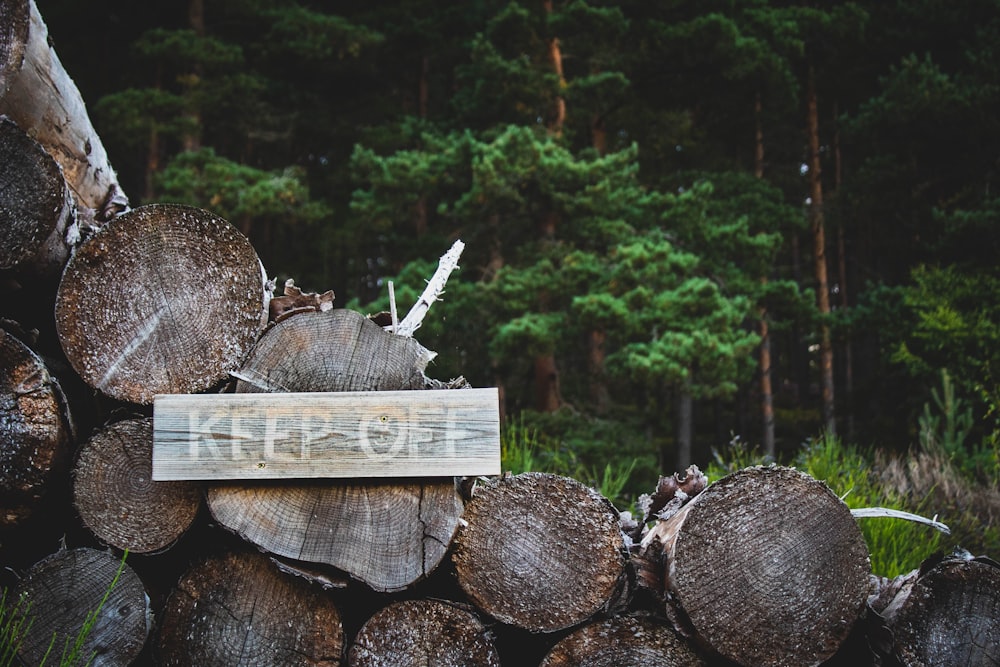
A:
(116, 497)
(950, 615)
(339, 434)
(623, 640)
(336, 350)
(35, 434)
(36, 209)
(423, 633)
(61, 590)
(540, 552)
(388, 535)
(769, 567)
(238, 609)
(163, 299)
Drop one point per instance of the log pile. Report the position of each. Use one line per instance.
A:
(764, 567)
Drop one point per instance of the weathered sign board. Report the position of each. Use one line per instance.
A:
(432, 433)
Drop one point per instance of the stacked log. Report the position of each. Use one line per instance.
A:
(763, 567)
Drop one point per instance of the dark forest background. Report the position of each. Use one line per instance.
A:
(687, 223)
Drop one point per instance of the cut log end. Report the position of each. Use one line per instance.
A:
(239, 609)
(623, 640)
(540, 552)
(59, 593)
(424, 633)
(34, 432)
(951, 616)
(388, 535)
(163, 299)
(36, 208)
(116, 497)
(769, 567)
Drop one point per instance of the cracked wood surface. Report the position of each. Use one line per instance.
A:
(239, 609)
(164, 299)
(388, 534)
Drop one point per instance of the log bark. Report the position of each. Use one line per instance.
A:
(117, 499)
(60, 591)
(35, 432)
(624, 640)
(540, 552)
(387, 534)
(37, 215)
(165, 299)
(768, 567)
(423, 633)
(948, 615)
(238, 609)
(37, 93)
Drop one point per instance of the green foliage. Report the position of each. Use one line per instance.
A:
(524, 449)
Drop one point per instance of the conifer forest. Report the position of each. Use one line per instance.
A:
(686, 223)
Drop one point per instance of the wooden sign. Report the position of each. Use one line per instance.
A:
(432, 433)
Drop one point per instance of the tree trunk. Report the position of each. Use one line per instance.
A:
(540, 552)
(624, 640)
(62, 590)
(818, 223)
(238, 609)
(35, 431)
(388, 535)
(555, 58)
(423, 633)
(548, 397)
(166, 300)
(685, 425)
(117, 499)
(764, 353)
(768, 567)
(848, 354)
(38, 95)
(598, 379)
(37, 214)
(948, 615)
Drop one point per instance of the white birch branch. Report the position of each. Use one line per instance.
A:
(434, 289)
(867, 512)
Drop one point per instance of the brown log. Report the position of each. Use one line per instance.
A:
(623, 640)
(164, 299)
(423, 633)
(768, 566)
(117, 499)
(35, 432)
(386, 534)
(238, 609)
(61, 591)
(37, 214)
(37, 93)
(948, 615)
(336, 350)
(540, 552)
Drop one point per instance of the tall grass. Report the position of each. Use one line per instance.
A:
(523, 449)
(16, 622)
